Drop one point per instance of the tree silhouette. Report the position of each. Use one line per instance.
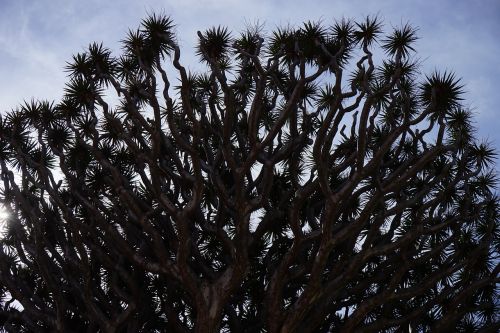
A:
(297, 185)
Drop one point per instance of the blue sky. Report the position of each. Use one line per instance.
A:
(37, 37)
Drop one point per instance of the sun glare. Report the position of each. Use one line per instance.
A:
(3, 221)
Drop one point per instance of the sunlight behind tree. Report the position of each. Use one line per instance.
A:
(4, 215)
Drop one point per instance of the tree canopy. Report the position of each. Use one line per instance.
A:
(298, 184)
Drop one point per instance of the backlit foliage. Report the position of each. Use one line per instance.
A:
(298, 184)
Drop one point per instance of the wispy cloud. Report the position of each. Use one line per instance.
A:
(37, 37)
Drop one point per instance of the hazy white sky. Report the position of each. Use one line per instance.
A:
(37, 37)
